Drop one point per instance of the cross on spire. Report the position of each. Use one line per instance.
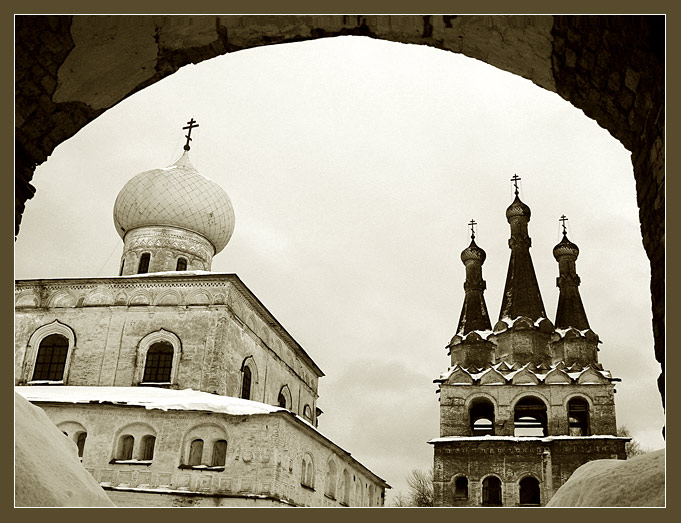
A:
(563, 219)
(472, 223)
(515, 182)
(189, 133)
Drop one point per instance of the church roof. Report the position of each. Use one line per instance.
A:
(570, 311)
(521, 293)
(176, 196)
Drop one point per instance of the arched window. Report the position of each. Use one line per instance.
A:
(181, 264)
(461, 487)
(284, 398)
(51, 359)
(307, 413)
(330, 484)
(529, 491)
(307, 471)
(80, 443)
(481, 416)
(147, 452)
(195, 452)
(530, 418)
(246, 384)
(578, 417)
(491, 491)
(346, 487)
(143, 267)
(219, 453)
(159, 363)
(125, 447)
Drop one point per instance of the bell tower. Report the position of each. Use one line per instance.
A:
(526, 403)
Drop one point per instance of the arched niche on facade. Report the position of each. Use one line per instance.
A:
(249, 378)
(48, 354)
(529, 491)
(530, 417)
(481, 416)
(157, 358)
(284, 398)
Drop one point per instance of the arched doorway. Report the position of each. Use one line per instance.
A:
(491, 492)
(530, 494)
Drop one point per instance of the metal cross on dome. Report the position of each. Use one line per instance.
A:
(515, 182)
(563, 219)
(188, 135)
(472, 223)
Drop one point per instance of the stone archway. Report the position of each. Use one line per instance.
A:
(71, 69)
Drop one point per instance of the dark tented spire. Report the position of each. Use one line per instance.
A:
(521, 294)
(570, 312)
(474, 316)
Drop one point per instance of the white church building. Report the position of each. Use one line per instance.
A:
(176, 384)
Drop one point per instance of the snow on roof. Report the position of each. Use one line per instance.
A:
(149, 398)
(546, 439)
(484, 334)
(574, 372)
(165, 399)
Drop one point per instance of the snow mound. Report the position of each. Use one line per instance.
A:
(638, 482)
(47, 471)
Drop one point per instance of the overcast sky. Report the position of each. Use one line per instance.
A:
(354, 166)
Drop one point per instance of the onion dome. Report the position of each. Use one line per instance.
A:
(517, 208)
(176, 196)
(565, 247)
(473, 252)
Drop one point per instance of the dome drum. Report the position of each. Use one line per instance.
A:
(166, 247)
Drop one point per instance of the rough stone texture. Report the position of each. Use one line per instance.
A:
(263, 465)
(456, 400)
(218, 321)
(550, 462)
(70, 69)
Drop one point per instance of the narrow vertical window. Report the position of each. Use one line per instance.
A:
(148, 443)
(125, 446)
(144, 263)
(281, 400)
(246, 384)
(181, 264)
(219, 453)
(51, 359)
(80, 443)
(578, 417)
(195, 452)
(159, 364)
(122, 266)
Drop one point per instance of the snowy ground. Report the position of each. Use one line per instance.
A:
(47, 471)
(638, 482)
